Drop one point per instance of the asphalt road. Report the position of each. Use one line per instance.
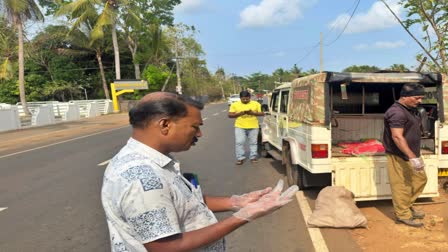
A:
(50, 187)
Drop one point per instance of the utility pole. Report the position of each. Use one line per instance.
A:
(178, 72)
(321, 53)
(222, 89)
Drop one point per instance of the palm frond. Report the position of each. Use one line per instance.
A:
(25, 9)
(76, 8)
(34, 11)
(96, 34)
(6, 72)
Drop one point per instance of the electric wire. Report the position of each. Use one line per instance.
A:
(339, 35)
(345, 27)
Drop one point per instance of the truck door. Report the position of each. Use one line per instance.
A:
(282, 118)
(270, 119)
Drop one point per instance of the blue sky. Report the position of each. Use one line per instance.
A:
(248, 36)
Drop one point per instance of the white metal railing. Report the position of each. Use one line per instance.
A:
(48, 112)
(104, 106)
(9, 117)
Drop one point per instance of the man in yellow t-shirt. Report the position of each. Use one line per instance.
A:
(246, 126)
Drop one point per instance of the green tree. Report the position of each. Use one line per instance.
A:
(83, 43)
(361, 69)
(52, 71)
(138, 30)
(398, 68)
(184, 48)
(85, 18)
(220, 75)
(280, 74)
(109, 14)
(296, 71)
(155, 76)
(9, 92)
(432, 18)
(108, 18)
(257, 81)
(311, 71)
(195, 76)
(7, 52)
(17, 12)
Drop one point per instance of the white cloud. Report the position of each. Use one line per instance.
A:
(389, 44)
(378, 17)
(380, 45)
(279, 54)
(189, 6)
(270, 13)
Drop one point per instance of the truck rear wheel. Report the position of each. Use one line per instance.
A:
(294, 173)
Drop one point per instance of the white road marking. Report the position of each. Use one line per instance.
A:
(65, 141)
(315, 234)
(215, 114)
(3, 208)
(225, 110)
(104, 163)
(203, 119)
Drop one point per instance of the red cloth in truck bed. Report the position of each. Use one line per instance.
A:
(371, 146)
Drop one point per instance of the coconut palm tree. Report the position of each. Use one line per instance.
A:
(108, 18)
(80, 10)
(85, 16)
(17, 12)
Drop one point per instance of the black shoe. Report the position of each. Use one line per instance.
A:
(417, 214)
(409, 222)
(240, 162)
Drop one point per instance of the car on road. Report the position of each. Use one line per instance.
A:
(233, 98)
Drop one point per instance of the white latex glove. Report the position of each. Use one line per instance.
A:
(417, 164)
(268, 203)
(240, 201)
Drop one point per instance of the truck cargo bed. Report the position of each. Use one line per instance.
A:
(336, 151)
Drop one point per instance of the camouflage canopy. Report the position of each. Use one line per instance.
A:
(309, 95)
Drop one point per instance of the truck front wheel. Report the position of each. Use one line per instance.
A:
(264, 148)
(294, 173)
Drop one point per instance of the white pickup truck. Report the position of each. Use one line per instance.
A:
(312, 120)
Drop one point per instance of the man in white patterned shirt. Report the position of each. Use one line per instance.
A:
(150, 206)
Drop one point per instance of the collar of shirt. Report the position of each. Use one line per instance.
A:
(158, 158)
(413, 111)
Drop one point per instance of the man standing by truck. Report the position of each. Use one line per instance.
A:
(246, 126)
(401, 138)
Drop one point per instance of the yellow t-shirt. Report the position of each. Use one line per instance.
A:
(245, 121)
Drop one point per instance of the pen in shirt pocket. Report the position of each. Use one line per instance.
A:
(192, 178)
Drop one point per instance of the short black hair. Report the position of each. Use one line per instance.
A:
(174, 106)
(244, 93)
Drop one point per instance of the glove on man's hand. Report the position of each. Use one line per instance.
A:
(240, 201)
(417, 164)
(268, 203)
